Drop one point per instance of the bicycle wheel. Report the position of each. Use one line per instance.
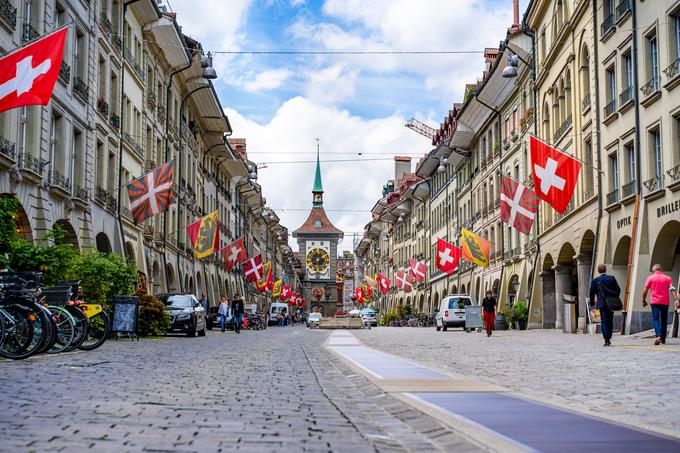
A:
(65, 329)
(81, 327)
(50, 328)
(26, 330)
(98, 331)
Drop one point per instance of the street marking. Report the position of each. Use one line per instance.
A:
(651, 348)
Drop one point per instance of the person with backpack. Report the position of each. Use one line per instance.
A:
(603, 287)
(237, 311)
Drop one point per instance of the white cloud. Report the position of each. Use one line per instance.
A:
(331, 85)
(268, 80)
(296, 3)
(347, 185)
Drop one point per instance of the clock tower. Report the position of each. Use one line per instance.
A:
(318, 244)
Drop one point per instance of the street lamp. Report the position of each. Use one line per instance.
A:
(442, 165)
(510, 71)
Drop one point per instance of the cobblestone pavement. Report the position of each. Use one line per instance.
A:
(259, 391)
(632, 382)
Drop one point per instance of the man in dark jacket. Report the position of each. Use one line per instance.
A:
(237, 310)
(602, 286)
(489, 312)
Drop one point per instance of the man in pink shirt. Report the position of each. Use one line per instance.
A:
(660, 285)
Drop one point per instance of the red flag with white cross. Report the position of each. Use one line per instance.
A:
(417, 269)
(555, 174)
(447, 256)
(383, 283)
(404, 281)
(285, 293)
(28, 75)
(518, 204)
(234, 253)
(253, 269)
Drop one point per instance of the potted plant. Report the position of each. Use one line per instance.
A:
(521, 314)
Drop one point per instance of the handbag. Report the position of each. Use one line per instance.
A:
(613, 302)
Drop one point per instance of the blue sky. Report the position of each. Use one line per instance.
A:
(282, 103)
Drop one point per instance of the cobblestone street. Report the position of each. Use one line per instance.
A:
(259, 391)
(632, 382)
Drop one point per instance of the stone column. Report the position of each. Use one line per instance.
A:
(562, 286)
(583, 263)
(548, 297)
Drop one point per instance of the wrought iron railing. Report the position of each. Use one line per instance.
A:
(82, 193)
(673, 69)
(80, 88)
(103, 107)
(585, 103)
(610, 108)
(111, 202)
(628, 189)
(613, 197)
(674, 173)
(150, 164)
(161, 114)
(7, 148)
(133, 62)
(607, 24)
(650, 87)
(64, 73)
(127, 138)
(623, 7)
(517, 251)
(117, 42)
(588, 193)
(654, 184)
(114, 121)
(29, 33)
(626, 95)
(566, 124)
(57, 179)
(151, 101)
(32, 163)
(8, 13)
(100, 195)
(106, 23)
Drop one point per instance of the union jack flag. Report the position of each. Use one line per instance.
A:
(151, 194)
(518, 204)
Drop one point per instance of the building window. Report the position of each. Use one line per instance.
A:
(655, 153)
(652, 63)
(588, 170)
(514, 121)
(626, 78)
(629, 150)
(610, 93)
(676, 138)
(613, 196)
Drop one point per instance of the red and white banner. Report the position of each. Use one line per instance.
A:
(417, 269)
(253, 269)
(555, 174)
(518, 204)
(404, 281)
(28, 75)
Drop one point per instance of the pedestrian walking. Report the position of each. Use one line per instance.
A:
(489, 311)
(282, 317)
(601, 287)
(204, 302)
(237, 310)
(660, 285)
(223, 311)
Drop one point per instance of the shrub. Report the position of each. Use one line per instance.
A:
(103, 276)
(390, 316)
(153, 320)
(53, 261)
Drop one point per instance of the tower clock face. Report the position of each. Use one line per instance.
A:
(318, 260)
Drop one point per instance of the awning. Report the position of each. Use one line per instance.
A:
(419, 191)
(166, 34)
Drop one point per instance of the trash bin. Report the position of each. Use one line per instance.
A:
(569, 323)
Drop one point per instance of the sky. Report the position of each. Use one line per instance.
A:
(355, 105)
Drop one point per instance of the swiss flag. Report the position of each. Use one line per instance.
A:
(555, 174)
(234, 253)
(359, 294)
(447, 256)
(404, 281)
(383, 283)
(253, 268)
(28, 75)
(417, 269)
(285, 293)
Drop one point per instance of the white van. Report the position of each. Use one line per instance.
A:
(451, 311)
(274, 310)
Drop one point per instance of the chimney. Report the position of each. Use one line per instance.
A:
(515, 9)
(402, 164)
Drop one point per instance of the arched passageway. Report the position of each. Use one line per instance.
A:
(103, 243)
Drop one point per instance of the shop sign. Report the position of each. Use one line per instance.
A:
(668, 208)
(624, 222)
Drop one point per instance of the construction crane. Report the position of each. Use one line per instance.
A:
(421, 128)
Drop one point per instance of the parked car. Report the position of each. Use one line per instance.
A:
(313, 320)
(369, 316)
(186, 313)
(451, 311)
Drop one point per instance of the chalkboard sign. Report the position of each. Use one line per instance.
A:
(125, 309)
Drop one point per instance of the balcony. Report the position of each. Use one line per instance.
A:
(613, 197)
(650, 91)
(130, 141)
(114, 121)
(126, 212)
(29, 33)
(132, 61)
(117, 42)
(628, 189)
(516, 252)
(81, 193)
(103, 107)
(111, 203)
(654, 184)
(610, 108)
(607, 25)
(7, 148)
(64, 73)
(58, 180)
(674, 174)
(8, 14)
(151, 102)
(672, 72)
(585, 102)
(626, 96)
(623, 8)
(105, 23)
(150, 165)
(161, 114)
(564, 127)
(100, 195)
(80, 89)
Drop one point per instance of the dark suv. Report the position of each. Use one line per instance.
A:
(186, 313)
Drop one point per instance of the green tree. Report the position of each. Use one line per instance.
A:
(103, 276)
(53, 260)
(8, 227)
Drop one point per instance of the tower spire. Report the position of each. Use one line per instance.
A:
(317, 190)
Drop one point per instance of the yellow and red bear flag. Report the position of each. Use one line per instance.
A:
(474, 248)
(205, 235)
(263, 283)
(276, 289)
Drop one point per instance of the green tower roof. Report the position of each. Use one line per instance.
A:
(318, 187)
